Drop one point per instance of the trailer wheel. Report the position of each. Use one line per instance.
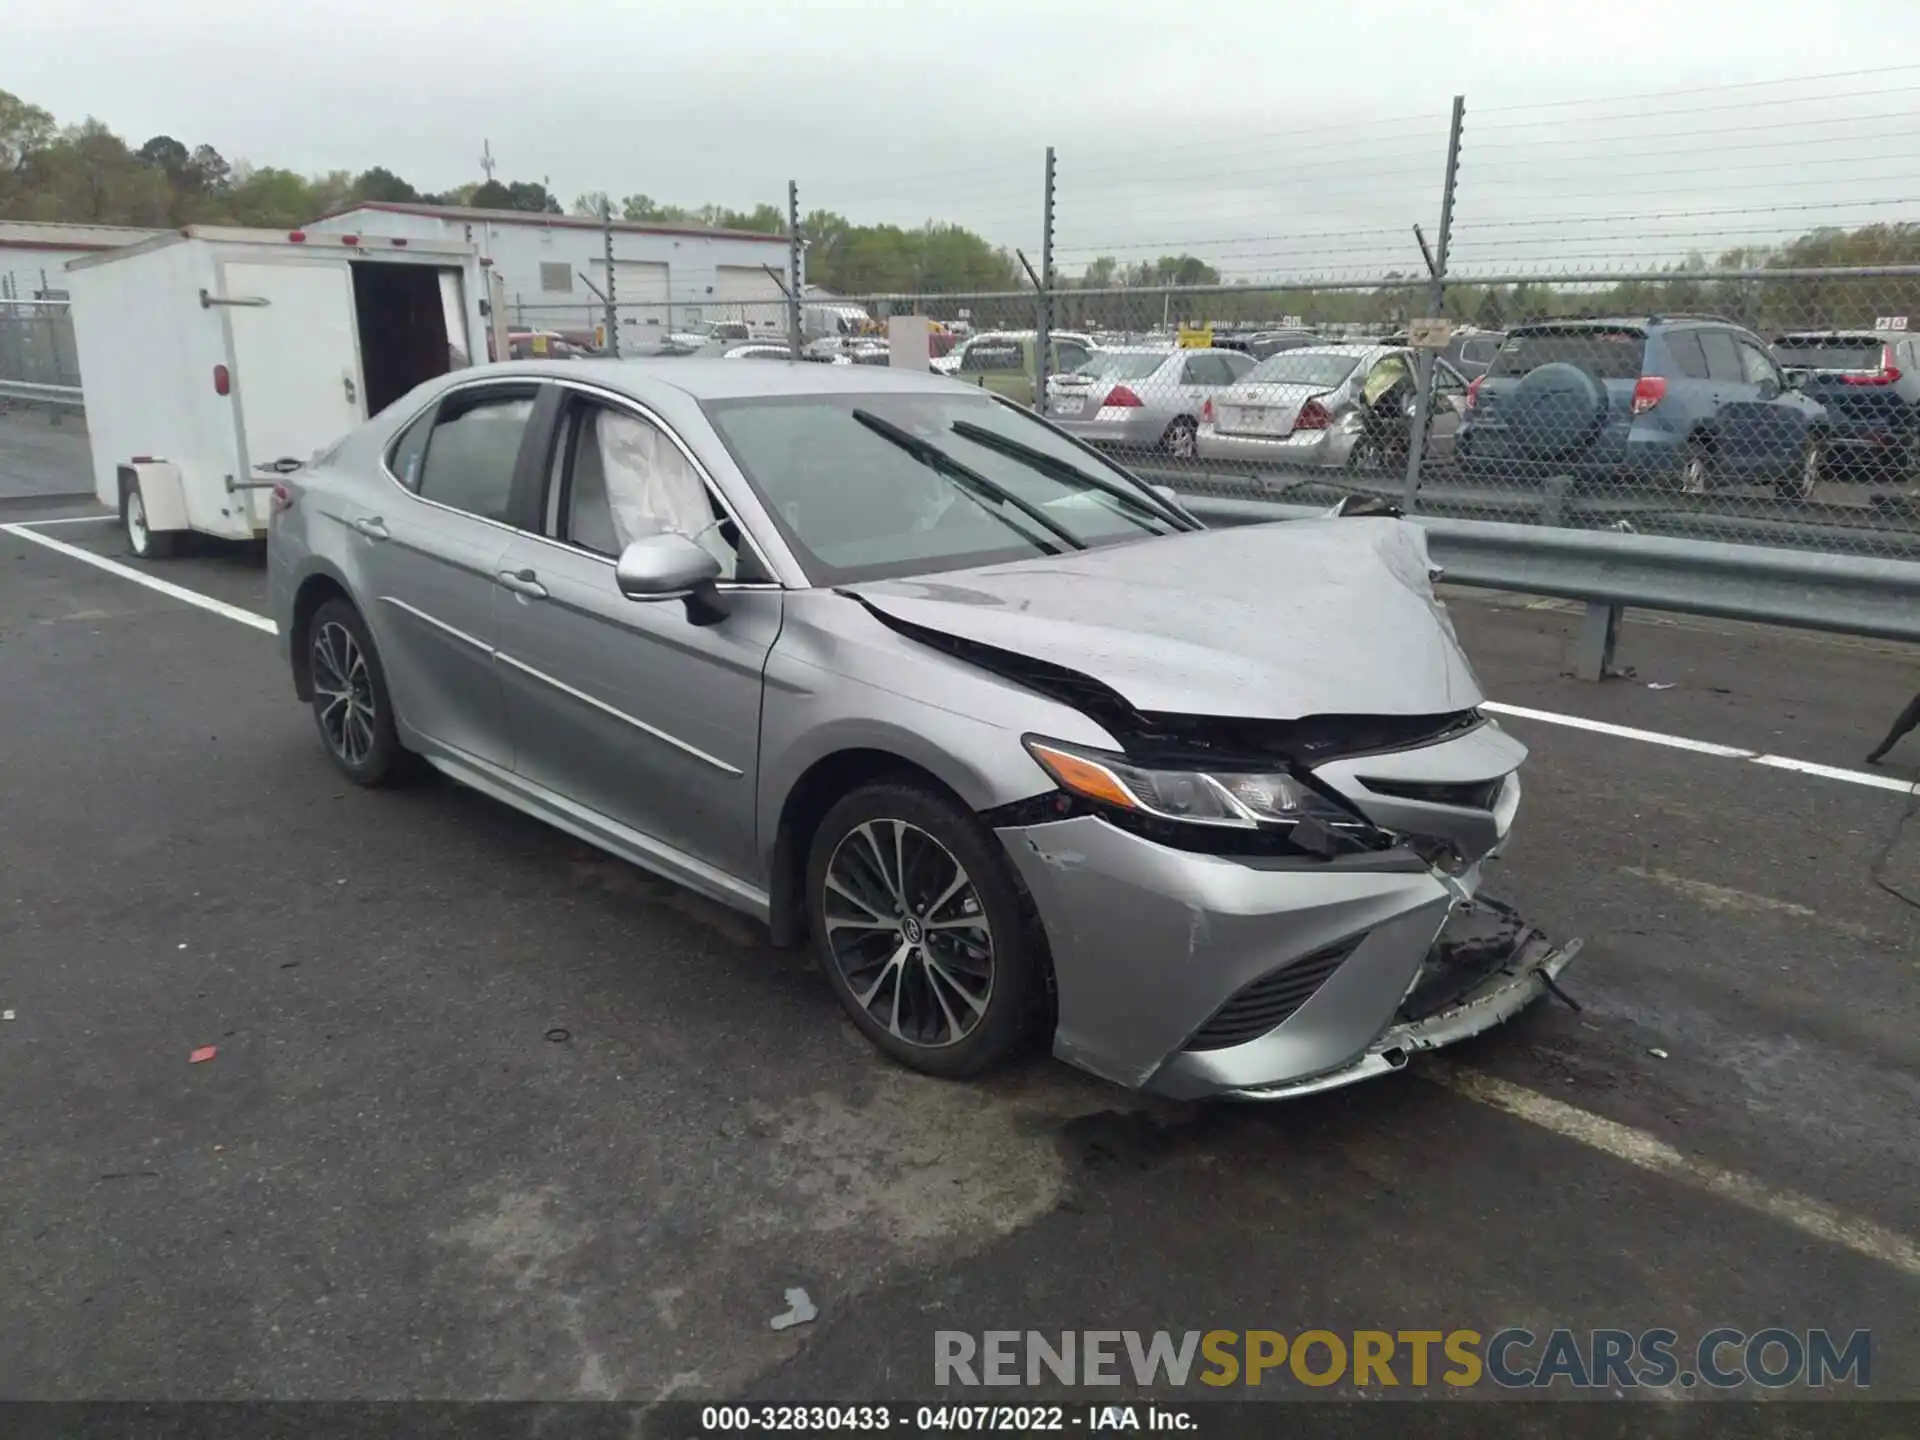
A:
(146, 543)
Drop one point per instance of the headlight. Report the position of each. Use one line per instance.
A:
(1195, 797)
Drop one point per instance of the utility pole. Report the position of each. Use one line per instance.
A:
(486, 158)
(613, 314)
(1043, 330)
(793, 269)
(1437, 297)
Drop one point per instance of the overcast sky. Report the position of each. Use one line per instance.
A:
(1269, 138)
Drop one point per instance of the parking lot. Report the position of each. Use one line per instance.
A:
(493, 1115)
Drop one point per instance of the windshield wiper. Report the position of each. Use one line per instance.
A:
(1061, 470)
(972, 482)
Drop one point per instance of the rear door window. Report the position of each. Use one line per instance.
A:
(473, 450)
(1688, 357)
(1604, 353)
(1723, 357)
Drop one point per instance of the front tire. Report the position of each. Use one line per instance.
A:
(351, 703)
(145, 542)
(925, 937)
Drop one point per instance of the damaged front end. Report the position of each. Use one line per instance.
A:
(1262, 887)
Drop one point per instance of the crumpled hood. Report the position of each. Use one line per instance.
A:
(1269, 622)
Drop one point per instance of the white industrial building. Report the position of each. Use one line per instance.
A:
(665, 276)
(34, 255)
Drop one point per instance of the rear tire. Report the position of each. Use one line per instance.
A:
(1182, 440)
(1804, 483)
(352, 707)
(1695, 473)
(145, 542)
(926, 938)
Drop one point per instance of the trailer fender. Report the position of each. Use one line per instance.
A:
(162, 492)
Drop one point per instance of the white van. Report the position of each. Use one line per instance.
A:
(213, 360)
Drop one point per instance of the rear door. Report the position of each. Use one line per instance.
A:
(297, 385)
(430, 550)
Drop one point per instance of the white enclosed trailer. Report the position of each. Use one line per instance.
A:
(214, 359)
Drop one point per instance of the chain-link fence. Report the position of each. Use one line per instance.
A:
(39, 363)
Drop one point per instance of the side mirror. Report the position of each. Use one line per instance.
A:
(664, 567)
(1797, 379)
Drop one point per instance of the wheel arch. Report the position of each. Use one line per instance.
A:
(315, 589)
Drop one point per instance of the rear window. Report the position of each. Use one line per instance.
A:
(1290, 367)
(1608, 354)
(1829, 352)
(1123, 367)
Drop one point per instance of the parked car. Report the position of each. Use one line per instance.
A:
(1003, 362)
(1140, 398)
(1472, 351)
(1012, 742)
(1869, 382)
(1339, 406)
(951, 362)
(1677, 402)
(1271, 342)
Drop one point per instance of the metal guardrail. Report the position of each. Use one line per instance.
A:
(1841, 594)
(65, 396)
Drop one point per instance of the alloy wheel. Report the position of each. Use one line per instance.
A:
(1693, 475)
(908, 933)
(138, 535)
(343, 685)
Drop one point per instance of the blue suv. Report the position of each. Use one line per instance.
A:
(1678, 402)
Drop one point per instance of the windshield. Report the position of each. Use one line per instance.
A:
(1828, 352)
(1291, 367)
(1123, 366)
(1606, 354)
(857, 505)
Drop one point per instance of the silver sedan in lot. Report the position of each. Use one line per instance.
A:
(1319, 406)
(1142, 398)
(1020, 749)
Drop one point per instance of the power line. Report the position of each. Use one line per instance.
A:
(1690, 90)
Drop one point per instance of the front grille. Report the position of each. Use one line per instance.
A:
(1273, 998)
(1477, 795)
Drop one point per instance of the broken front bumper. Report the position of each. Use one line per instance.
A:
(1196, 975)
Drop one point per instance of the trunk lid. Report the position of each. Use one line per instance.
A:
(1265, 410)
(1270, 622)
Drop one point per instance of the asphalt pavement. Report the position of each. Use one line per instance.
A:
(491, 1115)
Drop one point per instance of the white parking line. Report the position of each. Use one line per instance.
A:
(1705, 747)
(140, 577)
(1810, 1217)
(66, 520)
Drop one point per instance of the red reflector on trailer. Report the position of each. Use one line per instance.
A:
(297, 236)
(349, 239)
(222, 381)
(399, 242)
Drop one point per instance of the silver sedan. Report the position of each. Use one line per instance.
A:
(1019, 749)
(1142, 398)
(1319, 406)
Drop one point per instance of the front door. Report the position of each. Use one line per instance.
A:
(626, 707)
(1763, 433)
(296, 377)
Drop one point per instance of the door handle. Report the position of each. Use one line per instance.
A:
(522, 582)
(371, 526)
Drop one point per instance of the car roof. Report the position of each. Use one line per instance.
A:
(1865, 337)
(712, 378)
(1355, 350)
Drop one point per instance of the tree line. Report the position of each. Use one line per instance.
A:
(86, 174)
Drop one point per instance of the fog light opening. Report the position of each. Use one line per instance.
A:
(1395, 1056)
